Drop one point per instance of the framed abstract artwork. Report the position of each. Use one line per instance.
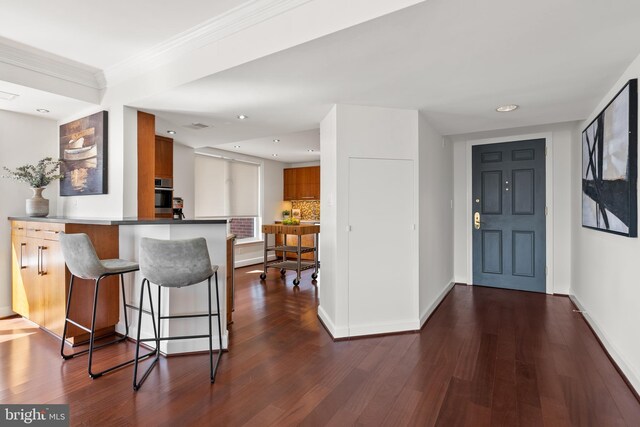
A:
(83, 152)
(610, 166)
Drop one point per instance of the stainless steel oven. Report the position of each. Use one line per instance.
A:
(164, 195)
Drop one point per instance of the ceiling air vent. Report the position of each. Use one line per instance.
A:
(197, 126)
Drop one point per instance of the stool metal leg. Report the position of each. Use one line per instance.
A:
(124, 305)
(213, 367)
(92, 330)
(156, 332)
(210, 333)
(66, 316)
(64, 331)
(215, 370)
(93, 327)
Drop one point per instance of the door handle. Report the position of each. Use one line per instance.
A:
(38, 260)
(476, 220)
(42, 270)
(22, 266)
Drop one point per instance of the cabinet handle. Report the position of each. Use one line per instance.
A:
(22, 266)
(38, 259)
(307, 197)
(50, 232)
(42, 270)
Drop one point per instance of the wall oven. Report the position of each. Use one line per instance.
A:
(164, 195)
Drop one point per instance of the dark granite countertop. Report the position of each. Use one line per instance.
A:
(118, 221)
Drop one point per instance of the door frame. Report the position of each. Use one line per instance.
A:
(548, 137)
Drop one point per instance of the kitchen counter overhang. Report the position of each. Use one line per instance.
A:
(117, 221)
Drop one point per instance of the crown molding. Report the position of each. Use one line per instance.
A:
(23, 56)
(235, 20)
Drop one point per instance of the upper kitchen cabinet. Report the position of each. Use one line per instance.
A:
(155, 160)
(302, 183)
(164, 157)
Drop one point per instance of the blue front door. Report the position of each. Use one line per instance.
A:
(508, 216)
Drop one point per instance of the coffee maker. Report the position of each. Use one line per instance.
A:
(178, 205)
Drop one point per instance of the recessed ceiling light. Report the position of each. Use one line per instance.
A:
(276, 140)
(242, 117)
(274, 155)
(506, 108)
(236, 146)
(171, 132)
(8, 96)
(42, 110)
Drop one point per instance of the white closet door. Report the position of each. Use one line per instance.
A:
(381, 250)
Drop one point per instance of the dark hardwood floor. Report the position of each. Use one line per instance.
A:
(486, 357)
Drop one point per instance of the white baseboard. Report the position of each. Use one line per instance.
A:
(253, 261)
(628, 371)
(6, 311)
(429, 310)
(384, 328)
(333, 331)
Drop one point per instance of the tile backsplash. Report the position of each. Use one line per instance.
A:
(309, 209)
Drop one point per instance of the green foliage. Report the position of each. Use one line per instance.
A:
(285, 213)
(39, 175)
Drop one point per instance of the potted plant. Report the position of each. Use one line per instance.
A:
(38, 177)
(286, 214)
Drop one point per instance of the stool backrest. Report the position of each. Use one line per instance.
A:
(175, 263)
(80, 256)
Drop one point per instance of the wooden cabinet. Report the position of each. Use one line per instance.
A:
(146, 168)
(155, 160)
(40, 280)
(27, 297)
(302, 183)
(289, 176)
(164, 157)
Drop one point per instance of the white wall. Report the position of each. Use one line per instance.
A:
(23, 139)
(329, 289)
(436, 218)
(121, 165)
(560, 154)
(606, 268)
(183, 168)
(365, 132)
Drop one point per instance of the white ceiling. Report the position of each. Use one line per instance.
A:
(291, 147)
(456, 60)
(30, 100)
(102, 33)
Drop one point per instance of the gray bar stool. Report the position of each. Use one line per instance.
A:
(83, 262)
(176, 264)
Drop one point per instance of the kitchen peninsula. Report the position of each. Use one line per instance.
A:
(40, 280)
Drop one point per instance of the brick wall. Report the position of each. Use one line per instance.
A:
(242, 227)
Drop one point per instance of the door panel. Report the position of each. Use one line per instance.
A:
(492, 251)
(509, 194)
(491, 194)
(523, 191)
(523, 253)
(381, 255)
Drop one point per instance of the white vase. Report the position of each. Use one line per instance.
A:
(37, 205)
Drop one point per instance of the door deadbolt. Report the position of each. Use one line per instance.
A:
(476, 220)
